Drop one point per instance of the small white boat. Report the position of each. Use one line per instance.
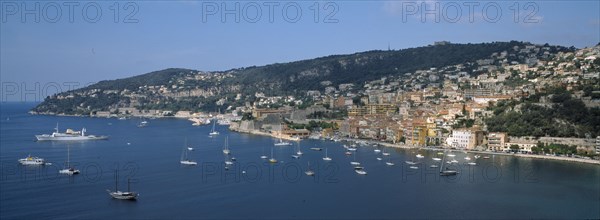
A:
(282, 143)
(476, 156)
(227, 162)
(142, 124)
(486, 157)
(454, 161)
(447, 171)
(440, 153)
(29, 160)
(295, 156)
(379, 158)
(467, 158)
(316, 148)
(420, 156)
(263, 157)
(188, 162)
(472, 163)
(326, 158)
(414, 167)
(309, 172)
(348, 153)
(436, 159)
(410, 162)
(272, 160)
(190, 148)
(352, 149)
(68, 169)
(185, 160)
(361, 172)
(434, 166)
(451, 155)
(390, 163)
(226, 146)
(299, 152)
(355, 162)
(385, 153)
(213, 132)
(376, 150)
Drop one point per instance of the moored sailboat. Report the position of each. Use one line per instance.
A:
(213, 132)
(185, 160)
(127, 195)
(326, 158)
(69, 170)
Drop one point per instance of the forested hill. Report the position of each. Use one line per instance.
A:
(156, 78)
(360, 67)
(185, 89)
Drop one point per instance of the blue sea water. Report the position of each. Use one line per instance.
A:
(501, 187)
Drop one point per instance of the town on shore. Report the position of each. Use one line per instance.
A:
(545, 104)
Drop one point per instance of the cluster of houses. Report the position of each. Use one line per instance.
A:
(429, 107)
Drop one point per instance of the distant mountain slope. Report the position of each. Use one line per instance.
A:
(156, 78)
(185, 89)
(360, 67)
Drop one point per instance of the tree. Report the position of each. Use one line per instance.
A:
(247, 116)
(514, 148)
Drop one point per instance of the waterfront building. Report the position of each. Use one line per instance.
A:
(466, 139)
(497, 140)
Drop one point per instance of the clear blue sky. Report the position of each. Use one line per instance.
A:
(173, 34)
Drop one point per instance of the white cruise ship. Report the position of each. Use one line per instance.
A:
(69, 135)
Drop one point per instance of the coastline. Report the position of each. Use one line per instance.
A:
(534, 156)
(256, 132)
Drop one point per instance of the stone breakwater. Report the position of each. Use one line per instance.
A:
(243, 129)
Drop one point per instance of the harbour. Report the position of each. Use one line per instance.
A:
(502, 186)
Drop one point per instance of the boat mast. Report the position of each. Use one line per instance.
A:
(68, 155)
(116, 180)
(183, 154)
(442, 164)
